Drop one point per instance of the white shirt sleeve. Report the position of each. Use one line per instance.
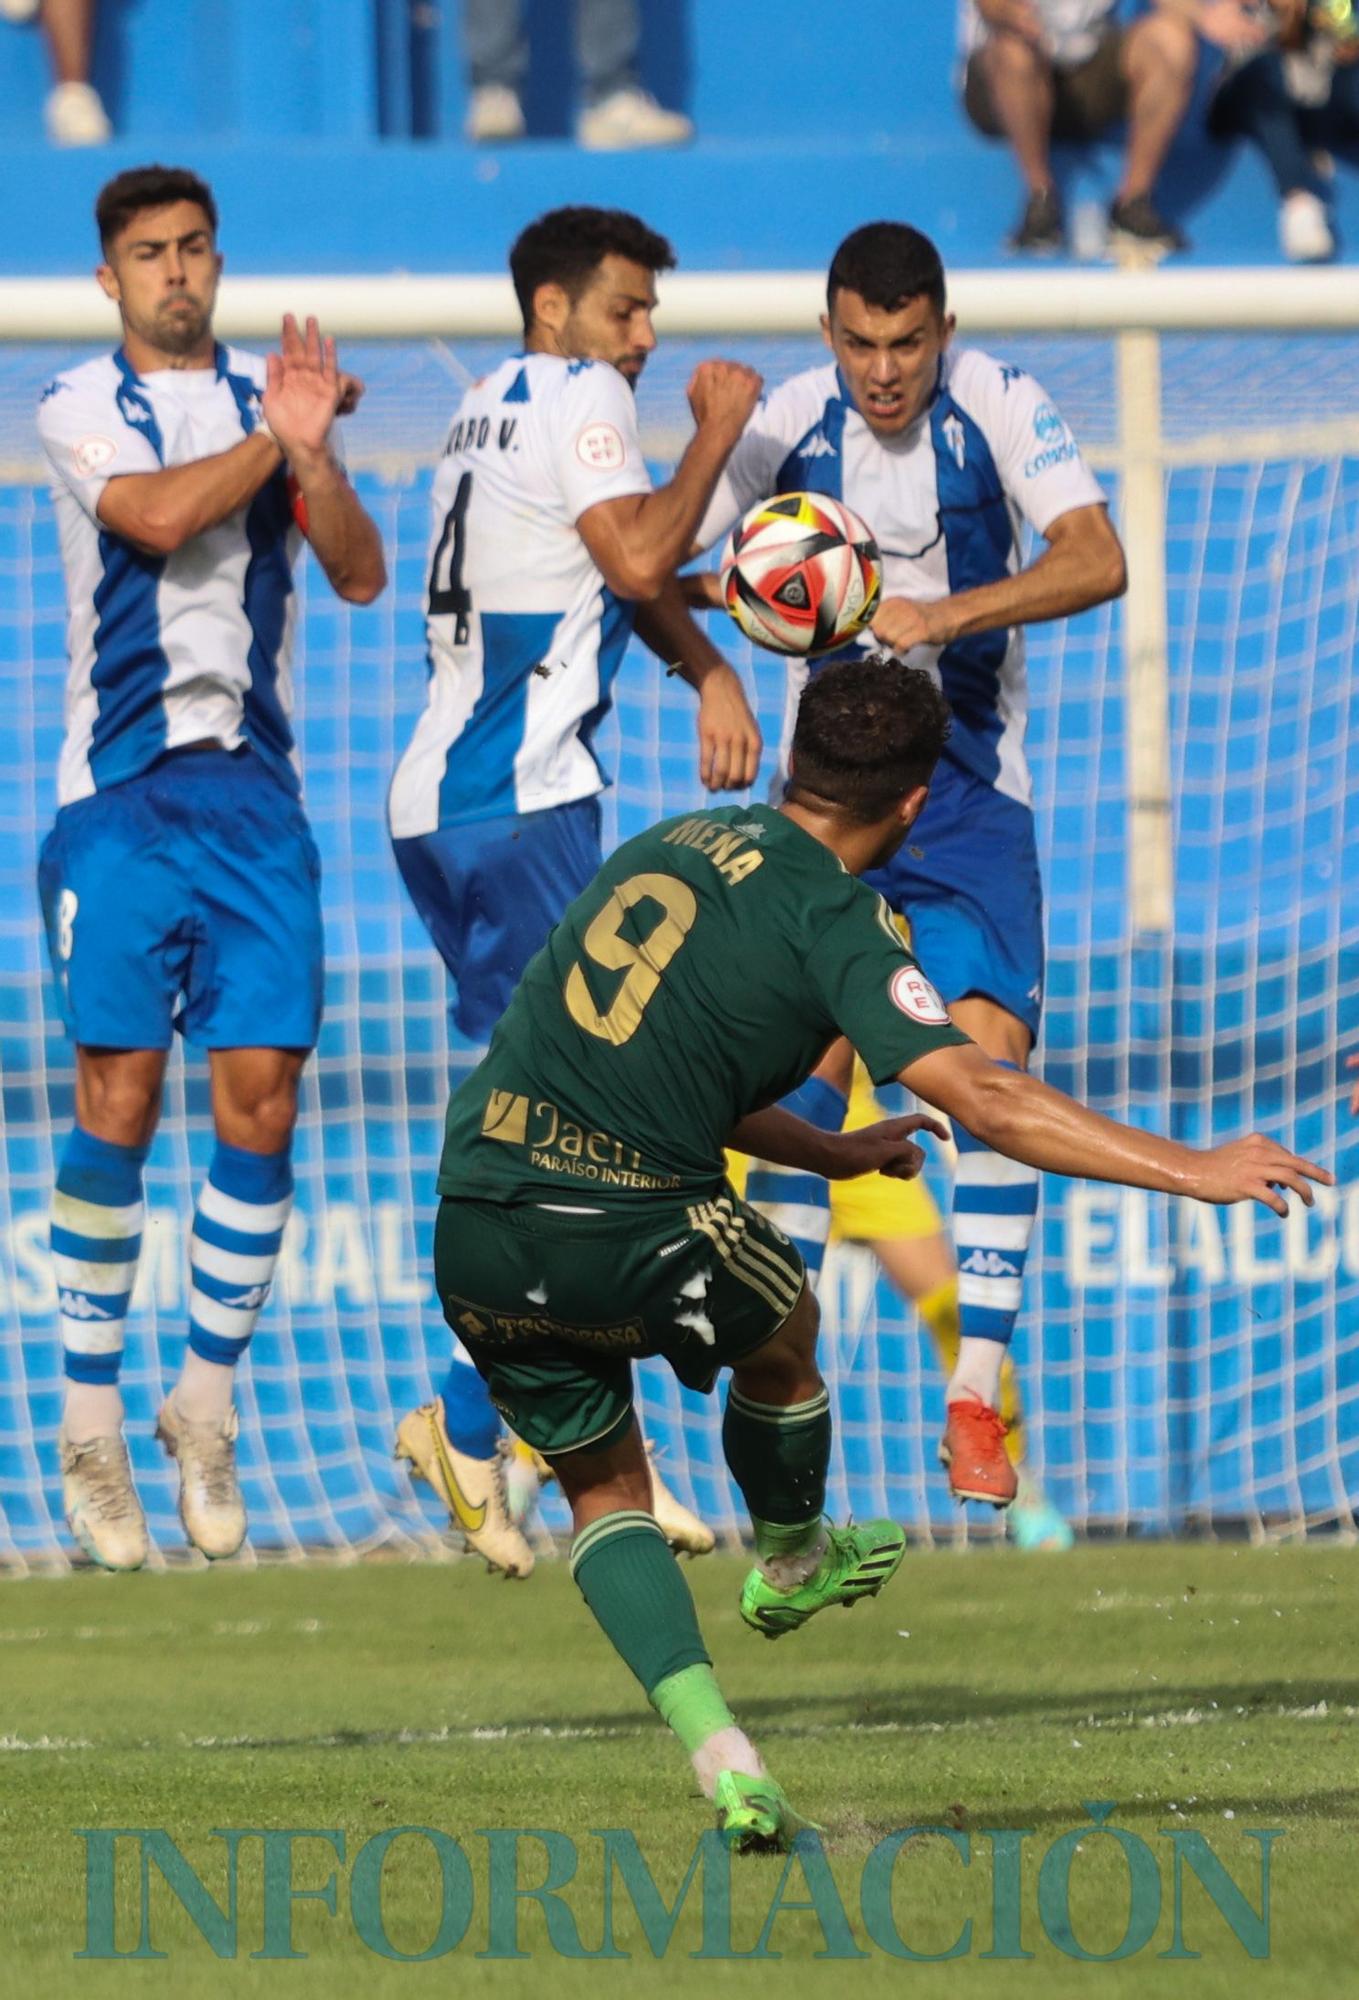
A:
(1039, 461)
(596, 449)
(88, 442)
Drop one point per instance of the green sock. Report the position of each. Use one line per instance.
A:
(778, 1457)
(690, 1702)
(632, 1584)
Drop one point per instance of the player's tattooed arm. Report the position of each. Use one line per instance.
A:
(788, 1141)
(304, 394)
(1082, 565)
(729, 741)
(1026, 1120)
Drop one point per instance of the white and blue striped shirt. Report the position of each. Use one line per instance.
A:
(167, 650)
(524, 635)
(947, 501)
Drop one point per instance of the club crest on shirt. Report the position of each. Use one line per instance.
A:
(91, 454)
(909, 990)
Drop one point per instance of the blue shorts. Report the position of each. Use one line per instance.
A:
(489, 892)
(967, 880)
(187, 898)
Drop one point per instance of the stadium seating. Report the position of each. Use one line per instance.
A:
(322, 153)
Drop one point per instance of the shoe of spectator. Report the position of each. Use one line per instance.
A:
(1304, 228)
(629, 119)
(1042, 226)
(19, 11)
(1138, 222)
(75, 116)
(494, 113)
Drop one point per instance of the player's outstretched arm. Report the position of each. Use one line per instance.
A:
(729, 741)
(1015, 1114)
(303, 396)
(789, 1141)
(640, 540)
(160, 511)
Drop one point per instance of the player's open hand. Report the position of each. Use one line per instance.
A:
(303, 392)
(901, 624)
(1257, 1169)
(884, 1148)
(729, 742)
(723, 395)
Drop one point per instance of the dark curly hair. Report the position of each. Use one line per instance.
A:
(567, 246)
(868, 731)
(887, 264)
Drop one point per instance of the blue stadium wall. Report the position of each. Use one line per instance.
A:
(331, 131)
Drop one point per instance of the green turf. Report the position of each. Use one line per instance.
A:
(999, 1691)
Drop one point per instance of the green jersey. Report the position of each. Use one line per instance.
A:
(700, 977)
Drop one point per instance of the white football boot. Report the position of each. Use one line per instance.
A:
(472, 1489)
(210, 1503)
(686, 1534)
(102, 1508)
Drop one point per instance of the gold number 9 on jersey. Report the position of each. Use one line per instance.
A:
(642, 963)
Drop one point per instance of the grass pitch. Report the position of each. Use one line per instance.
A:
(1213, 1688)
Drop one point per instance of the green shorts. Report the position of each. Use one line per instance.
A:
(554, 1308)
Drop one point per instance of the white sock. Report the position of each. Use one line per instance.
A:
(91, 1410)
(729, 1750)
(203, 1392)
(787, 1572)
(976, 1372)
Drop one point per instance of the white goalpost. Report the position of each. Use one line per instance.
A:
(1196, 758)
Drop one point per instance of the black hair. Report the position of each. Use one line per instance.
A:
(868, 731)
(887, 264)
(567, 246)
(128, 193)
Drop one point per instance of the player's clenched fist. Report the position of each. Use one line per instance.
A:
(724, 393)
(1256, 1169)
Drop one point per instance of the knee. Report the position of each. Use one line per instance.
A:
(1013, 58)
(259, 1121)
(1163, 44)
(119, 1107)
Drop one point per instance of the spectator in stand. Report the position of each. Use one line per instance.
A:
(618, 115)
(74, 113)
(1039, 70)
(1296, 100)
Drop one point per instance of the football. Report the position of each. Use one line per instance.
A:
(801, 574)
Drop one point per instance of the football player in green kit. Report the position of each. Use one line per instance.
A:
(586, 1220)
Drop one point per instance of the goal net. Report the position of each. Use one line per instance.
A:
(1196, 763)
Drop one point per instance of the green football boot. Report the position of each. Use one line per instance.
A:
(857, 1563)
(754, 1817)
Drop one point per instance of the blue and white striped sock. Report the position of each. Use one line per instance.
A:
(97, 1215)
(995, 1204)
(237, 1233)
(796, 1202)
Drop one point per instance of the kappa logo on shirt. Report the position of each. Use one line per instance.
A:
(818, 446)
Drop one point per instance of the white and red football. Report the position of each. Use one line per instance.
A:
(801, 574)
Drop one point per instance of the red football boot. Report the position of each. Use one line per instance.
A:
(973, 1449)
